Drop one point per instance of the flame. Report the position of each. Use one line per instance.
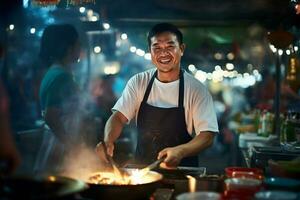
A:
(192, 183)
(52, 178)
(132, 177)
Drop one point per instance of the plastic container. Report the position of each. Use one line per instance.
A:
(244, 172)
(275, 195)
(245, 188)
(277, 183)
(199, 196)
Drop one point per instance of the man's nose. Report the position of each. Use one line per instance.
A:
(164, 51)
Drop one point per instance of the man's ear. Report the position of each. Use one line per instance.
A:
(182, 48)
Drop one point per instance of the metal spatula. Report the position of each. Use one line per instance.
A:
(153, 165)
(111, 161)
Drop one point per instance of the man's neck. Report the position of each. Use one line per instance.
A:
(167, 77)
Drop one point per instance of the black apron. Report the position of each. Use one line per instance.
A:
(159, 128)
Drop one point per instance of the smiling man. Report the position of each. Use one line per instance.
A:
(173, 110)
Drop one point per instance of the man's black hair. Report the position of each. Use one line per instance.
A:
(164, 27)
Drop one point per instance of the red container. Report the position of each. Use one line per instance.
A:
(244, 172)
(241, 188)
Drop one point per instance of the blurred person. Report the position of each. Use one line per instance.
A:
(103, 95)
(264, 92)
(103, 98)
(173, 110)
(60, 98)
(9, 156)
(262, 96)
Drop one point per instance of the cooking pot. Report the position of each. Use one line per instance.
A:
(139, 191)
(38, 188)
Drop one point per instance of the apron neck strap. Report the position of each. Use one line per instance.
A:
(181, 88)
(149, 87)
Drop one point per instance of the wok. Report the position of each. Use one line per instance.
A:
(37, 188)
(177, 173)
(129, 192)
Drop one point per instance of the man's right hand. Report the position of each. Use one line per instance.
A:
(100, 150)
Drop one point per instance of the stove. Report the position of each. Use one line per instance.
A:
(260, 155)
(170, 188)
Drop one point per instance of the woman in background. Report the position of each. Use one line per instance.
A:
(59, 97)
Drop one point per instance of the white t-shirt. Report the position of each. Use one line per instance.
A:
(198, 104)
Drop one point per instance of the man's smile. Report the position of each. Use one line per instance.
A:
(165, 60)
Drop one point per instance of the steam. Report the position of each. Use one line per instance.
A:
(81, 163)
(83, 129)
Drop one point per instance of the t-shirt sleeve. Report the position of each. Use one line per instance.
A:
(204, 115)
(128, 103)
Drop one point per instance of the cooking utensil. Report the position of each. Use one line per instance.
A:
(112, 162)
(153, 165)
(181, 172)
(144, 190)
(50, 187)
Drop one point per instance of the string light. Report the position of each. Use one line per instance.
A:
(106, 26)
(97, 49)
(229, 66)
(230, 56)
(124, 36)
(243, 80)
(82, 9)
(133, 49)
(147, 56)
(32, 30)
(11, 27)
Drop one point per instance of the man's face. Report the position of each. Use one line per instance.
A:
(166, 52)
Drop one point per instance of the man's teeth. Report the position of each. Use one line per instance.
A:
(165, 60)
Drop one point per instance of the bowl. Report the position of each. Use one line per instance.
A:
(282, 183)
(237, 188)
(275, 195)
(242, 183)
(288, 169)
(199, 196)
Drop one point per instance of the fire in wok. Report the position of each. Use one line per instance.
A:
(108, 185)
(130, 177)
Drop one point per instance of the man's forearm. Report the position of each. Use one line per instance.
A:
(197, 144)
(113, 127)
